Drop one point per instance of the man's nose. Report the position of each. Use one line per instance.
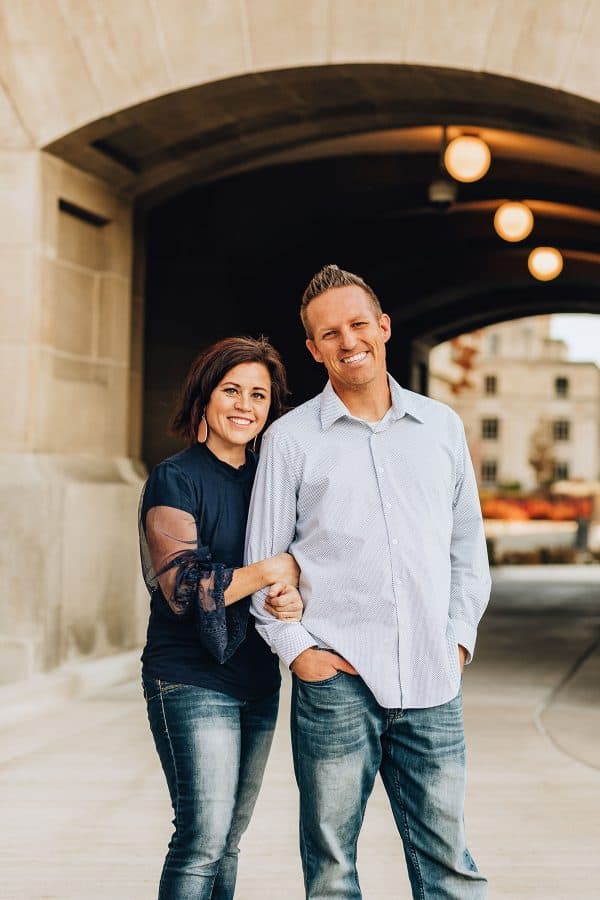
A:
(348, 338)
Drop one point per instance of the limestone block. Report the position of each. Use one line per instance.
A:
(68, 307)
(17, 279)
(114, 319)
(42, 66)
(17, 658)
(18, 197)
(371, 31)
(122, 48)
(99, 546)
(80, 242)
(69, 561)
(136, 399)
(82, 406)
(287, 33)
(582, 73)
(534, 41)
(203, 41)
(13, 135)
(16, 381)
(85, 190)
(449, 33)
(119, 240)
(136, 361)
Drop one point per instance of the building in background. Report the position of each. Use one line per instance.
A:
(531, 415)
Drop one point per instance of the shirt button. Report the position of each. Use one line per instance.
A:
(394, 540)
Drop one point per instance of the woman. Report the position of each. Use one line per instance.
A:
(210, 682)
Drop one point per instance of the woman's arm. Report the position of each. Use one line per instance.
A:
(172, 541)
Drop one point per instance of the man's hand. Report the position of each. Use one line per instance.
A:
(284, 602)
(318, 665)
(462, 656)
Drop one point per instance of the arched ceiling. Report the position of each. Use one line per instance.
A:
(268, 176)
(193, 136)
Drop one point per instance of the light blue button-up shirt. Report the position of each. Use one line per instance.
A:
(385, 522)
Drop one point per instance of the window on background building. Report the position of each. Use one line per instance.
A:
(494, 344)
(490, 384)
(561, 471)
(561, 386)
(489, 429)
(489, 471)
(561, 430)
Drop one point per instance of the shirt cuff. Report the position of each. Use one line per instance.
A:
(291, 641)
(466, 636)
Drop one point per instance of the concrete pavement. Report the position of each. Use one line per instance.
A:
(86, 814)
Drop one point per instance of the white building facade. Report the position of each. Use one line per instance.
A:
(521, 399)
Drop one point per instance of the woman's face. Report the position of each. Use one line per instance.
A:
(238, 407)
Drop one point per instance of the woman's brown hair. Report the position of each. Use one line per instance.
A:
(209, 369)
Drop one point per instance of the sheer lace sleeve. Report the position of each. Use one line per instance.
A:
(181, 576)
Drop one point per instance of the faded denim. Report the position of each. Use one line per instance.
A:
(213, 749)
(341, 738)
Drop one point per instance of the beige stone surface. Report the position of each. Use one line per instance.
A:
(203, 40)
(42, 69)
(114, 320)
(17, 284)
(371, 31)
(13, 135)
(69, 528)
(18, 197)
(535, 41)
(442, 32)
(66, 63)
(288, 33)
(121, 47)
(16, 380)
(582, 74)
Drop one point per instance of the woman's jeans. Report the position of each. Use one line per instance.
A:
(213, 750)
(341, 738)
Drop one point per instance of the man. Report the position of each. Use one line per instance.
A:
(372, 489)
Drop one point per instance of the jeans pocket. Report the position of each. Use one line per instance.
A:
(150, 688)
(322, 682)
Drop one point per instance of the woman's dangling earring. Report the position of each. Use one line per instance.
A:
(254, 444)
(203, 440)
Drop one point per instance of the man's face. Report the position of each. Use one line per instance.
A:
(349, 336)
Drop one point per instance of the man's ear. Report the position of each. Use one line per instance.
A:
(312, 349)
(385, 323)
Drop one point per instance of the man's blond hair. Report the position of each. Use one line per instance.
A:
(327, 278)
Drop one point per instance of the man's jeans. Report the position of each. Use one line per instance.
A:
(213, 750)
(341, 738)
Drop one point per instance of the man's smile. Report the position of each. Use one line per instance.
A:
(357, 357)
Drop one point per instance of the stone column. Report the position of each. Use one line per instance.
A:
(68, 488)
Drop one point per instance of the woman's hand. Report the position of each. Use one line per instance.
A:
(284, 602)
(282, 569)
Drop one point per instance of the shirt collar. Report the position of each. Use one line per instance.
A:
(403, 403)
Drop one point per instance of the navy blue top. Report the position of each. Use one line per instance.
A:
(197, 639)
